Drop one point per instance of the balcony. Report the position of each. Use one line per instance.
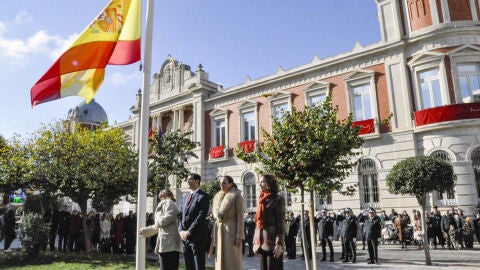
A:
(217, 151)
(367, 126)
(447, 113)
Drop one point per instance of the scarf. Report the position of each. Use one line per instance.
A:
(261, 208)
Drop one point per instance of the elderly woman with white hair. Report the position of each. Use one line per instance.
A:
(169, 245)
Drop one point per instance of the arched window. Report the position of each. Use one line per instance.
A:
(368, 178)
(249, 189)
(476, 168)
(447, 198)
(325, 202)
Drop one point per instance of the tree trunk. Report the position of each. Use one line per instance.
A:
(302, 224)
(312, 232)
(86, 233)
(426, 247)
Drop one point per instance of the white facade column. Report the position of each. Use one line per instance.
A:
(198, 126)
(181, 121)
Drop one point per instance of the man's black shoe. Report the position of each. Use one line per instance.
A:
(331, 259)
(344, 261)
(323, 259)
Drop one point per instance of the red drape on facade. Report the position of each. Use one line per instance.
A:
(368, 126)
(447, 113)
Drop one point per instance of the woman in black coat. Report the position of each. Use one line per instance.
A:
(9, 227)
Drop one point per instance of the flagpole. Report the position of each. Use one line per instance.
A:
(143, 142)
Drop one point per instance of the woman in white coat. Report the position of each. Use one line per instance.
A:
(169, 245)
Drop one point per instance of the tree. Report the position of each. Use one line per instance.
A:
(83, 164)
(311, 150)
(168, 155)
(14, 165)
(418, 176)
(211, 188)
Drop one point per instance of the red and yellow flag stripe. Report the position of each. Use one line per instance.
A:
(112, 38)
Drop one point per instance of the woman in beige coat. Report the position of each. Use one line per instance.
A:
(169, 245)
(228, 230)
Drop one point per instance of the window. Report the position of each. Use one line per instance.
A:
(429, 76)
(361, 95)
(316, 93)
(362, 107)
(448, 197)
(219, 132)
(248, 121)
(280, 103)
(431, 94)
(476, 169)
(368, 175)
(325, 202)
(465, 66)
(219, 129)
(469, 80)
(279, 109)
(316, 100)
(249, 189)
(249, 126)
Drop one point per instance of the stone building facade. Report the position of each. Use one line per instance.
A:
(424, 72)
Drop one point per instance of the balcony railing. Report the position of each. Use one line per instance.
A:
(367, 126)
(217, 151)
(248, 146)
(447, 113)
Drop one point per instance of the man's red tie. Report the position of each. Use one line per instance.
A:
(189, 199)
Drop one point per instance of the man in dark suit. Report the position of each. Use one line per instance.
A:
(350, 236)
(52, 218)
(193, 226)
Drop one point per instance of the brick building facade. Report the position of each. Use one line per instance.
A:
(425, 72)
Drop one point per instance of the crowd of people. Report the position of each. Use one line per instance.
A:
(228, 233)
(107, 233)
(66, 232)
(452, 230)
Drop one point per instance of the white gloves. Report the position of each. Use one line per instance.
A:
(330, 238)
(354, 240)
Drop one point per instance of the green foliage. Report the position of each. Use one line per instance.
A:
(82, 164)
(211, 187)
(417, 176)
(168, 155)
(14, 165)
(249, 157)
(33, 233)
(311, 149)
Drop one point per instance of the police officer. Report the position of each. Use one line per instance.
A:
(373, 230)
(292, 228)
(325, 231)
(350, 236)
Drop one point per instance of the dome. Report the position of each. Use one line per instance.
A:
(91, 113)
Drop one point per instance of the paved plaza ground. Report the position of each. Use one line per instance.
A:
(391, 257)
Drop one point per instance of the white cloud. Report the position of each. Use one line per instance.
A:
(23, 17)
(16, 51)
(121, 78)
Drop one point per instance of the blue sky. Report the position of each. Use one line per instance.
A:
(231, 39)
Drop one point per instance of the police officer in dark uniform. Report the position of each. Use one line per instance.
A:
(350, 236)
(292, 227)
(339, 217)
(325, 230)
(435, 227)
(373, 231)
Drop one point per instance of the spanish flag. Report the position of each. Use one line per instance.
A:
(112, 38)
